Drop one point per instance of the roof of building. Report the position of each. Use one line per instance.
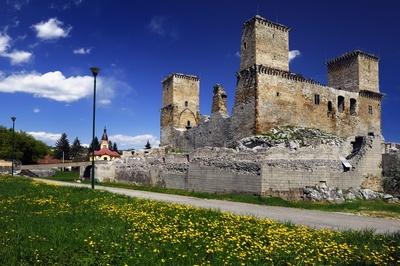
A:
(352, 54)
(105, 151)
(104, 137)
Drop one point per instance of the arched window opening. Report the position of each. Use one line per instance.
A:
(353, 106)
(188, 125)
(245, 45)
(340, 104)
(186, 103)
(330, 107)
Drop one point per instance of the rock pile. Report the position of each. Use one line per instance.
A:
(288, 137)
(330, 194)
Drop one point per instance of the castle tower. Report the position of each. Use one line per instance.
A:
(358, 71)
(104, 139)
(180, 106)
(264, 43)
(219, 101)
(354, 71)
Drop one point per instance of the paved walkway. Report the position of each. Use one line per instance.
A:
(312, 218)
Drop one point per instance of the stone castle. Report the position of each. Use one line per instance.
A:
(268, 95)
(285, 134)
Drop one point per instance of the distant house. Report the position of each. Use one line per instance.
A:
(105, 154)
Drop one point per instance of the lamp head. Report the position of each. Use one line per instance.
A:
(95, 71)
(13, 118)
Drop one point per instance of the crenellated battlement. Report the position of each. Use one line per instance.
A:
(371, 94)
(351, 55)
(264, 21)
(181, 76)
(261, 69)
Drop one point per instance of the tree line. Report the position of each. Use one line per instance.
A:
(27, 149)
(76, 151)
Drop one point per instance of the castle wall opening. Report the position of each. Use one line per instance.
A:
(340, 104)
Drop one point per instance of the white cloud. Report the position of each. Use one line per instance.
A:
(18, 57)
(36, 110)
(293, 54)
(17, 4)
(137, 142)
(156, 25)
(55, 86)
(159, 26)
(46, 137)
(82, 51)
(4, 42)
(51, 29)
(237, 54)
(104, 101)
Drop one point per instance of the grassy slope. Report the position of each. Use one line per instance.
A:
(42, 224)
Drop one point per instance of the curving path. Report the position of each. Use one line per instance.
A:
(312, 218)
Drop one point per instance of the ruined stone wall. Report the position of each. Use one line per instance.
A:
(283, 99)
(244, 111)
(213, 179)
(214, 133)
(270, 172)
(219, 103)
(286, 175)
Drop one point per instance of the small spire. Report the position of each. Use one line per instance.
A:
(104, 137)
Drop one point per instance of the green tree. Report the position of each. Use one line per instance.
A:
(62, 147)
(27, 149)
(115, 147)
(147, 146)
(76, 150)
(94, 143)
(110, 144)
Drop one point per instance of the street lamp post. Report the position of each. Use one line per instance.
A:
(13, 118)
(95, 71)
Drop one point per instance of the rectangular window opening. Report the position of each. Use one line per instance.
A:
(316, 99)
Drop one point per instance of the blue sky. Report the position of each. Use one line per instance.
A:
(47, 47)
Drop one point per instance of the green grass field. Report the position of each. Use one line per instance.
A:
(69, 176)
(46, 225)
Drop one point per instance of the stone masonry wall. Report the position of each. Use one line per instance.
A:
(275, 171)
(286, 175)
(264, 42)
(285, 101)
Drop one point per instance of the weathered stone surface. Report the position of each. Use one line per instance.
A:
(219, 104)
(330, 194)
